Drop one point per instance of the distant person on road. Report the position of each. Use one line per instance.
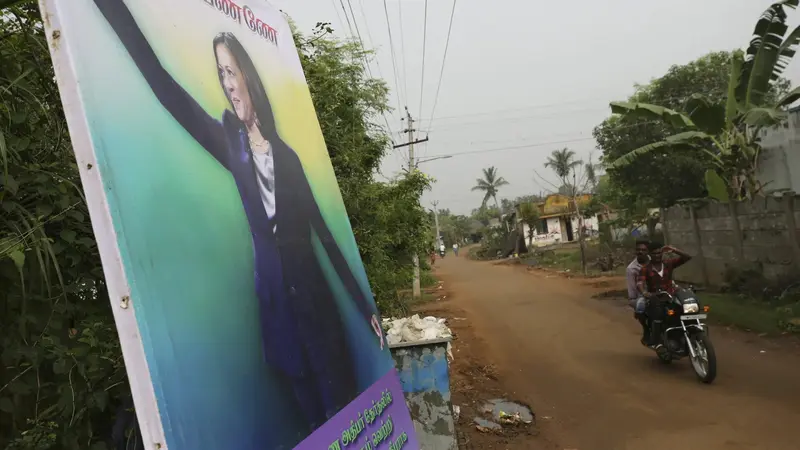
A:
(455, 249)
(441, 249)
(657, 276)
(635, 298)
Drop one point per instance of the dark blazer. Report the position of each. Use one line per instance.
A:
(302, 330)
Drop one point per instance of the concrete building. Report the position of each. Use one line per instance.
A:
(779, 163)
(559, 223)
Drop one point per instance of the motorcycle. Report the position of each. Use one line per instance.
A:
(684, 333)
(441, 253)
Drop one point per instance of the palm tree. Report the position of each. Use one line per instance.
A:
(563, 163)
(727, 134)
(490, 184)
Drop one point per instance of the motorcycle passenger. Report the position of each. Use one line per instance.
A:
(635, 298)
(657, 276)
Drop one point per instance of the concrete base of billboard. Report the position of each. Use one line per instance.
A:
(425, 377)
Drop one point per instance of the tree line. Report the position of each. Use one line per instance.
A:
(693, 133)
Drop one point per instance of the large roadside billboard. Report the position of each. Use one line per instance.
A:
(243, 308)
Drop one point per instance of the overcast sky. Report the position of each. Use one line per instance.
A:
(534, 75)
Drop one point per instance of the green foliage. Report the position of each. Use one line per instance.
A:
(62, 378)
(494, 242)
(725, 133)
(529, 214)
(668, 170)
(485, 214)
(631, 210)
(716, 187)
(749, 300)
(490, 184)
(562, 162)
(61, 364)
(507, 206)
(388, 221)
(767, 55)
(453, 228)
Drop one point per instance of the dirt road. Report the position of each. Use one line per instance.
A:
(578, 362)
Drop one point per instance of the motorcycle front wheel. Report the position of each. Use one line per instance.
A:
(704, 362)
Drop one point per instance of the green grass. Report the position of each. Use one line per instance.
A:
(730, 309)
(726, 308)
(563, 259)
(568, 257)
(427, 279)
(751, 314)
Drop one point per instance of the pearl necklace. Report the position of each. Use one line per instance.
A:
(263, 146)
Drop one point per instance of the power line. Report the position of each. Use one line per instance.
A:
(515, 119)
(444, 60)
(403, 52)
(369, 35)
(517, 147)
(424, 39)
(363, 54)
(536, 144)
(336, 10)
(546, 116)
(358, 32)
(377, 61)
(518, 108)
(471, 143)
(347, 18)
(534, 107)
(391, 48)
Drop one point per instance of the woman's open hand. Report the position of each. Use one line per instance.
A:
(376, 327)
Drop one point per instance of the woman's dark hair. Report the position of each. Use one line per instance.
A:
(655, 245)
(258, 95)
(644, 242)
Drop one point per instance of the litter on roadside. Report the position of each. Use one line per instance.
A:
(487, 426)
(510, 419)
(417, 329)
(507, 412)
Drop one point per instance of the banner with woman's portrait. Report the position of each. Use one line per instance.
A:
(244, 312)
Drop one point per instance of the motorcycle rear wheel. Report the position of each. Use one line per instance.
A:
(704, 362)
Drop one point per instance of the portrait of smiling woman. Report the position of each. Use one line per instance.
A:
(301, 328)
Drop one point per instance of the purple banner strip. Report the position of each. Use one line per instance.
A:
(376, 419)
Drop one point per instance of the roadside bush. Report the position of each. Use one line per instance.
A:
(494, 241)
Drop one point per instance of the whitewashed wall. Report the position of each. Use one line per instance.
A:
(555, 233)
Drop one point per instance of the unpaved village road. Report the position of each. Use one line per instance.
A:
(578, 362)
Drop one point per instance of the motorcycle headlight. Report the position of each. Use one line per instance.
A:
(690, 308)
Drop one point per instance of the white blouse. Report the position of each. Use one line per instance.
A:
(265, 173)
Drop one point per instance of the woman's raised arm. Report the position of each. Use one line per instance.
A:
(201, 126)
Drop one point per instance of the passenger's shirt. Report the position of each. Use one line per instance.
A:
(632, 274)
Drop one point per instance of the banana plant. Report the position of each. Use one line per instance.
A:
(728, 133)
(10, 3)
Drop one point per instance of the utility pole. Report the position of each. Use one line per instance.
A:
(412, 166)
(436, 218)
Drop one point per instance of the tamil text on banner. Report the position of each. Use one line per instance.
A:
(243, 308)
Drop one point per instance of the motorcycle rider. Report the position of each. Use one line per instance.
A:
(657, 276)
(635, 298)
